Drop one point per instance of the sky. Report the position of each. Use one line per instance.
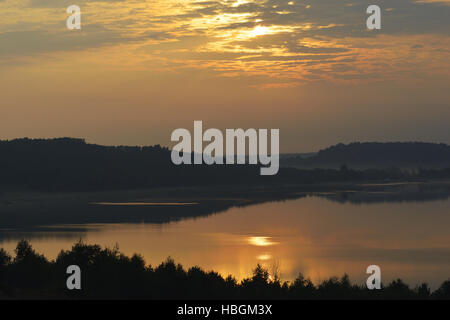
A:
(137, 70)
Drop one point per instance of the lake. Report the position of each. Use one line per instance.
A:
(318, 236)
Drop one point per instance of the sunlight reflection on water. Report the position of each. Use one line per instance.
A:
(312, 235)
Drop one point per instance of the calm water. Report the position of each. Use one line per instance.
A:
(312, 235)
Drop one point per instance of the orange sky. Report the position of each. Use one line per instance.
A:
(137, 70)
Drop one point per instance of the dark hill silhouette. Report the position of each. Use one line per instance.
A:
(67, 164)
(73, 164)
(364, 155)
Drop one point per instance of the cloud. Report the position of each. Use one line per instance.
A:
(64, 3)
(444, 2)
(323, 39)
(42, 41)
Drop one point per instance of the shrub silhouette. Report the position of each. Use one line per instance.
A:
(443, 292)
(302, 288)
(26, 265)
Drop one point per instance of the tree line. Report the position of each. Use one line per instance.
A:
(74, 165)
(377, 155)
(109, 274)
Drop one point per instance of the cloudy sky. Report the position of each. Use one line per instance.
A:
(138, 69)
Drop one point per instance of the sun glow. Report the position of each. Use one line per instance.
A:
(261, 241)
(259, 31)
(264, 257)
(239, 2)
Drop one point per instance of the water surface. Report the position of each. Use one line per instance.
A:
(312, 235)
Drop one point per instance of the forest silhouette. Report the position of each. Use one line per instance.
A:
(365, 155)
(67, 164)
(109, 274)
